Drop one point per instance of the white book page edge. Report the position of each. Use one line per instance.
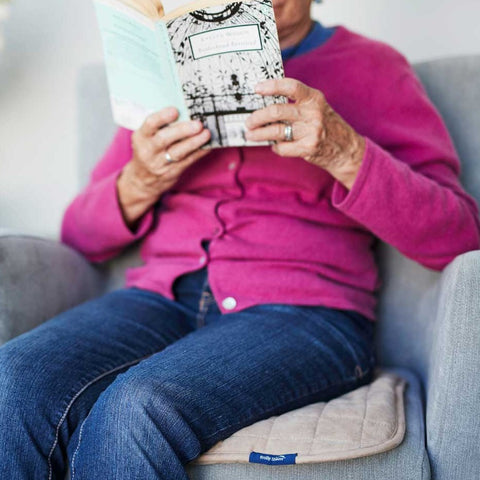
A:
(185, 6)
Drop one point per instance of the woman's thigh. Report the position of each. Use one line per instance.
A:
(237, 369)
(51, 376)
(265, 361)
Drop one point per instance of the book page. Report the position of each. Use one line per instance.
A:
(222, 52)
(176, 8)
(171, 5)
(150, 8)
(138, 60)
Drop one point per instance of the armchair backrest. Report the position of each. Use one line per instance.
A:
(402, 332)
(407, 304)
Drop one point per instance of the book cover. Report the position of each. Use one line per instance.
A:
(203, 57)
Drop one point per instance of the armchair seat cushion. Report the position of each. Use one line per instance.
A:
(364, 421)
(393, 397)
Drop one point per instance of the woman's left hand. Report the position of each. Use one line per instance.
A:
(320, 135)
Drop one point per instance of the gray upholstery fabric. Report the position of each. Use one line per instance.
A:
(453, 395)
(406, 312)
(40, 278)
(430, 324)
(453, 85)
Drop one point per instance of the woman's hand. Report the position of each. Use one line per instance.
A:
(148, 174)
(320, 135)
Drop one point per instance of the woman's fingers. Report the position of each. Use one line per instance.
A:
(183, 149)
(275, 132)
(288, 87)
(158, 120)
(289, 149)
(278, 112)
(172, 171)
(174, 133)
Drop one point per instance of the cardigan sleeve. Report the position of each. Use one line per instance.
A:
(407, 191)
(93, 223)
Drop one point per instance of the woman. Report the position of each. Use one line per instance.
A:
(140, 381)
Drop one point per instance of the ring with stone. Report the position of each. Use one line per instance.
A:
(288, 132)
(168, 158)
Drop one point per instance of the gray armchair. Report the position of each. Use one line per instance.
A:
(429, 323)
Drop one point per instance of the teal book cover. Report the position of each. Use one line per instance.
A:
(204, 57)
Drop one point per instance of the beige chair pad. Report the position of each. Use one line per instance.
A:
(364, 421)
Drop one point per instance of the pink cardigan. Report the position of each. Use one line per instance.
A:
(283, 230)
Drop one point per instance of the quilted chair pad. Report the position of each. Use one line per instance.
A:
(364, 421)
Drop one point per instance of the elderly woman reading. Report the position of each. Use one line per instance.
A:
(257, 293)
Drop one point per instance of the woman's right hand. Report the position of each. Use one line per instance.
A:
(148, 174)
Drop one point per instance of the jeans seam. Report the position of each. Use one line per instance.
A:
(72, 401)
(78, 445)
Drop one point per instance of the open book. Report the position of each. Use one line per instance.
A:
(204, 57)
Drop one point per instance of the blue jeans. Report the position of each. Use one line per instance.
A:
(133, 385)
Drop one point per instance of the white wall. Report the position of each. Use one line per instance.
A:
(421, 29)
(48, 40)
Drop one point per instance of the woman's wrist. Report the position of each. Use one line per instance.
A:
(346, 172)
(135, 194)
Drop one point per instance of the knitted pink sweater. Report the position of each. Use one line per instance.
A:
(283, 230)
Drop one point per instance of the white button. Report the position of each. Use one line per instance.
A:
(232, 165)
(229, 303)
(217, 231)
(203, 259)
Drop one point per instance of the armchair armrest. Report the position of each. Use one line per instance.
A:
(453, 393)
(40, 278)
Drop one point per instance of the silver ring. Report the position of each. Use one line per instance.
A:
(288, 133)
(168, 158)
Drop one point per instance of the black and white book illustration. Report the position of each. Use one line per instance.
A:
(221, 53)
(204, 57)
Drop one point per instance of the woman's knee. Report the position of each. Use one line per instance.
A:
(139, 404)
(25, 382)
(14, 367)
(130, 400)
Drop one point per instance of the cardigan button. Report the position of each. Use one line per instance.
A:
(229, 303)
(232, 165)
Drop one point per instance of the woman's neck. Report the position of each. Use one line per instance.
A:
(295, 35)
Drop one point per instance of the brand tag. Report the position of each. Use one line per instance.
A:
(287, 459)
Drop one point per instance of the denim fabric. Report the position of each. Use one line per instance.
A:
(133, 385)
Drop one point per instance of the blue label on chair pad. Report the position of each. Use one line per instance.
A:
(269, 459)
